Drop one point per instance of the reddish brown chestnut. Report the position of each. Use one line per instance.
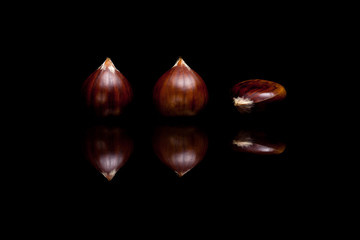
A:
(180, 91)
(107, 91)
(257, 142)
(181, 148)
(108, 149)
(256, 94)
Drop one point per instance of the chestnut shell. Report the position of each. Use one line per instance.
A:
(106, 91)
(180, 91)
(257, 93)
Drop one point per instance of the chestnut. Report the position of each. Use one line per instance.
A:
(255, 94)
(180, 91)
(257, 142)
(107, 148)
(106, 91)
(180, 148)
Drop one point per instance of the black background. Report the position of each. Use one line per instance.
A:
(224, 45)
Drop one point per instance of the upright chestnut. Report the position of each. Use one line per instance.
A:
(180, 91)
(106, 91)
(107, 148)
(181, 148)
(255, 94)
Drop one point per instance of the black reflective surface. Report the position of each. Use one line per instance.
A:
(173, 154)
(142, 154)
(142, 165)
(70, 127)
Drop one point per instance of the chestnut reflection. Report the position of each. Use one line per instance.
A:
(257, 142)
(108, 148)
(181, 148)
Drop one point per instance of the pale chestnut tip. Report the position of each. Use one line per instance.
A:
(243, 105)
(180, 174)
(242, 143)
(109, 176)
(108, 64)
(181, 62)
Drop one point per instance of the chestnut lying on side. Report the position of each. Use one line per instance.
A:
(256, 94)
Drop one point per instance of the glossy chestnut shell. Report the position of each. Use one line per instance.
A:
(180, 91)
(107, 148)
(181, 148)
(106, 91)
(255, 94)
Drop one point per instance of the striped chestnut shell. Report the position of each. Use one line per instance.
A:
(255, 94)
(106, 91)
(180, 91)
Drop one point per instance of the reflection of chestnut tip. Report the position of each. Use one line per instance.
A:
(181, 148)
(256, 142)
(107, 149)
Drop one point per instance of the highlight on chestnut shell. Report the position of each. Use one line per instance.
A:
(180, 91)
(106, 91)
(255, 94)
(107, 148)
(257, 142)
(180, 148)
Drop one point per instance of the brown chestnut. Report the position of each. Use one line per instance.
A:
(180, 91)
(107, 148)
(256, 94)
(181, 148)
(257, 142)
(106, 91)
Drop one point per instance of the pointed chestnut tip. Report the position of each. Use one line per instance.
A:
(108, 64)
(181, 173)
(181, 62)
(109, 176)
